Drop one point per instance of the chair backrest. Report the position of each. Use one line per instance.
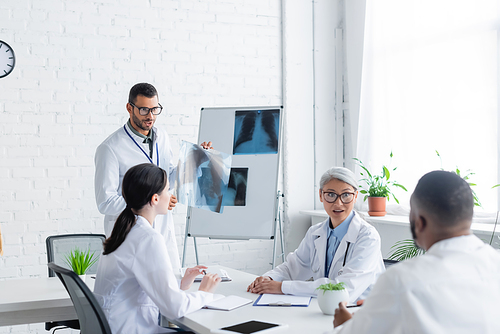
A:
(389, 263)
(59, 246)
(89, 312)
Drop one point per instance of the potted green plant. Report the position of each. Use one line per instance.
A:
(378, 188)
(80, 261)
(332, 295)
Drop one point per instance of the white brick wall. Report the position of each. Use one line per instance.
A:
(76, 61)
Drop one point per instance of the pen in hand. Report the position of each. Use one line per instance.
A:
(204, 272)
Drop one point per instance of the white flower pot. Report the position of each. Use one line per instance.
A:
(82, 277)
(328, 301)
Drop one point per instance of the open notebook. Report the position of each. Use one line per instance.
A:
(221, 272)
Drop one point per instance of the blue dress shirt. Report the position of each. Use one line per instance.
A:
(334, 237)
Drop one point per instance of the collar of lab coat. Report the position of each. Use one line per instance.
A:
(463, 244)
(141, 221)
(140, 139)
(321, 238)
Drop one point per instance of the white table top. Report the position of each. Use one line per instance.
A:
(34, 300)
(299, 319)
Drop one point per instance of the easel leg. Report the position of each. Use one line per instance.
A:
(196, 251)
(185, 243)
(279, 232)
(186, 235)
(281, 240)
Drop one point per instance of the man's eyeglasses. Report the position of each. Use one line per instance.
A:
(331, 197)
(143, 111)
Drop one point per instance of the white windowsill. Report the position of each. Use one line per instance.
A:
(478, 224)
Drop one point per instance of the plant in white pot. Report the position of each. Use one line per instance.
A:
(80, 261)
(379, 188)
(330, 295)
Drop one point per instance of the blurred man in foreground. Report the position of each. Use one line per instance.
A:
(453, 288)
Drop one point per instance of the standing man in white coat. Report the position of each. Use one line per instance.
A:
(138, 141)
(453, 288)
(343, 248)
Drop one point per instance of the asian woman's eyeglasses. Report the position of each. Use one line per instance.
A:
(331, 197)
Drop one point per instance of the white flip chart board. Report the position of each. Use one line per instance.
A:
(253, 136)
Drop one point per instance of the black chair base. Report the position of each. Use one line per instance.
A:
(73, 324)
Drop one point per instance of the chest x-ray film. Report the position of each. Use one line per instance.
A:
(236, 192)
(256, 132)
(202, 177)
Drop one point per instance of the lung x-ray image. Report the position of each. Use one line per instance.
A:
(202, 177)
(236, 192)
(256, 132)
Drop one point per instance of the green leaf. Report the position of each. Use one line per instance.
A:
(404, 249)
(400, 186)
(395, 198)
(80, 261)
(386, 172)
(331, 287)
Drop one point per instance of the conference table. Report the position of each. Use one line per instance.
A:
(299, 319)
(36, 300)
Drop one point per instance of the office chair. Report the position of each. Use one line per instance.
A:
(58, 246)
(90, 315)
(388, 263)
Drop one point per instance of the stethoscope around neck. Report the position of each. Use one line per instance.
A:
(341, 271)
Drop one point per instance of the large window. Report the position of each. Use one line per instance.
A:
(430, 83)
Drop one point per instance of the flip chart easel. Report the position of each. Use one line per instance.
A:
(253, 136)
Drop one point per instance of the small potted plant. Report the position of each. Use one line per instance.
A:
(81, 261)
(379, 188)
(330, 295)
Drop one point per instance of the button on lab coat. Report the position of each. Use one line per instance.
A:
(136, 281)
(113, 158)
(453, 288)
(304, 270)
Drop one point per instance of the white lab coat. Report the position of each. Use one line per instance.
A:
(304, 270)
(113, 158)
(136, 282)
(453, 288)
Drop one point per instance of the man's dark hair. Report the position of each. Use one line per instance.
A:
(446, 196)
(142, 88)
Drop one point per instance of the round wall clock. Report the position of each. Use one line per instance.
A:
(7, 59)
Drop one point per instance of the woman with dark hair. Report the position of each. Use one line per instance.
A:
(135, 280)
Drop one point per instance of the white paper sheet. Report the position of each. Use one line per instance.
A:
(283, 300)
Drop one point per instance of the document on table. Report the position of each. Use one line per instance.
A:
(221, 272)
(228, 303)
(282, 300)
